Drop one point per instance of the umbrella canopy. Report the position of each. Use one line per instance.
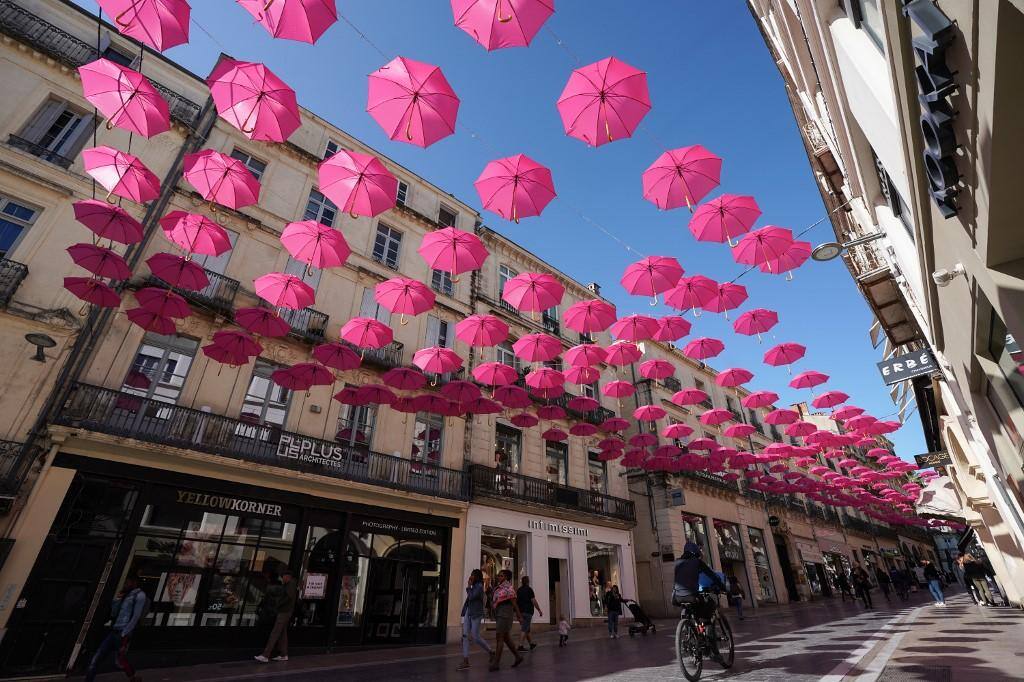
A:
(437, 360)
(376, 394)
(795, 256)
(337, 356)
(545, 378)
(163, 302)
(404, 379)
(730, 378)
(161, 24)
(613, 425)
(515, 187)
(724, 218)
(195, 233)
(412, 101)
(764, 245)
(108, 221)
(692, 293)
(555, 435)
(301, 20)
(635, 328)
(100, 261)
(237, 342)
(551, 412)
(358, 183)
(703, 348)
(497, 24)
(589, 316)
(533, 292)
(808, 379)
(366, 332)
(253, 99)
(125, 97)
(681, 177)
(121, 174)
(830, 399)
(847, 412)
(224, 355)
(715, 417)
(618, 389)
(784, 354)
(481, 331)
(282, 290)
(671, 328)
(622, 353)
(783, 416)
(495, 374)
(178, 272)
(728, 296)
(92, 291)
(585, 355)
(512, 397)
(583, 429)
(799, 429)
(657, 369)
(604, 101)
(302, 376)
(649, 413)
(756, 321)
(702, 444)
(689, 396)
(152, 322)
(739, 431)
(460, 391)
(582, 403)
(760, 399)
(316, 244)
(221, 179)
(405, 296)
(524, 420)
(537, 347)
(652, 275)
(453, 250)
(676, 431)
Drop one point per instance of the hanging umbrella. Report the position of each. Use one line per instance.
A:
(284, 291)
(481, 331)
(161, 24)
(125, 97)
(582, 376)
(121, 174)
(757, 321)
(585, 355)
(681, 176)
(582, 430)
(454, 251)
(582, 403)
(237, 342)
(221, 179)
(652, 276)
(224, 355)
(723, 218)
(495, 374)
(178, 272)
(460, 391)
(703, 348)
(99, 260)
(635, 328)
(671, 328)
(618, 389)
(657, 369)
(808, 379)
(677, 431)
(643, 440)
(152, 322)
(784, 354)
(760, 399)
(376, 394)
(497, 24)
(533, 292)
(689, 396)
(337, 356)
(163, 302)
(731, 378)
(195, 233)
(649, 413)
(622, 353)
(604, 101)
(404, 379)
(512, 397)
(412, 102)
(545, 378)
(301, 20)
(253, 99)
(405, 296)
(315, 244)
(727, 297)
(739, 431)
(92, 291)
(551, 412)
(554, 435)
(358, 183)
(613, 425)
(692, 293)
(702, 444)
(830, 399)
(108, 221)
(524, 420)
(795, 256)
(847, 412)
(302, 377)
(515, 187)
(589, 316)
(437, 360)
(762, 246)
(350, 396)
(481, 405)
(800, 429)
(366, 332)
(537, 348)
(715, 417)
(783, 416)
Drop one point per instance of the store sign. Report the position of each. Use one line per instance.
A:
(902, 367)
(315, 452)
(314, 586)
(810, 553)
(405, 530)
(557, 527)
(237, 505)
(933, 459)
(677, 497)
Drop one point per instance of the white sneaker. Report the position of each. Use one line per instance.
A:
(261, 659)
(279, 658)
(611, 636)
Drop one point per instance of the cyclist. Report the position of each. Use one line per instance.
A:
(688, 572)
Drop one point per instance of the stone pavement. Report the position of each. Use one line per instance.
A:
(825, 640)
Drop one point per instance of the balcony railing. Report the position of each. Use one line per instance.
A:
(128, 416)
(307, 324)
(12, 274)
(510, 486)
(218, 295)
(672, 384)
(707, 404)
(507, 307)
(551, 325)
(39, 151)
(386, 358)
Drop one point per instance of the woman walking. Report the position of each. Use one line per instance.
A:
(503, 601)
(613, 607)
(472, 615)
(862, 586)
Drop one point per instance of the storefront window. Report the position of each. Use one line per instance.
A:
(507, 448)
(320, 557)
(427, 441)
(557, 463)
(729, 546)
(499, 550)
(761, 564)
(695, 529)
(812, 577)
(597, 473)
(1006, 351)
(602, 573)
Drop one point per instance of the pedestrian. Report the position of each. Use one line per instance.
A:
(862, 586)
(736, 595)
(899, 584)
(286, 597)
(976, 574)
(126, 610)
(613, 607)
(505, 607)
(934, 582)
(884, 582)
(472, 616)
(843, 583)
(563, 631)
(527, 602)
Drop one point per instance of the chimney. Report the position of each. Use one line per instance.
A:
(595, 287)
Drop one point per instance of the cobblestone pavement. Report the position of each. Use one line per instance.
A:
(826, 640)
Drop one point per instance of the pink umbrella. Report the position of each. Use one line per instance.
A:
(689, 396)
(671, 328)
(618, 389)
(482, 405)
(760, 399)
(739, 431)
(315, 244)
(350, 396)
(604, 101)
(730, 378)
(163, 302)
(757, 321)
(727, 297)
(412, 102)
(651, 276)
(121, 174)
(512, 397)
(649, 413)
(677, 431)
(460, 391)
(481, 330)
(612, 425)
(783, 416)
(92, 291)
(125, 97)
(224, 355)
(404, 379)
(847, 412)
(452, 250)
(253, 99)
(152, 322)
(545, 378)
(178, 272)
(551, 412)
(702, 444)
(554, 435)
(99, 260)
(657, 369)
(830, 399)
(582, 403)
(437, 360)
(376, 394)
(359, 183)
(302, 20)
(495, 374)
(221, 179)
(681, 176)
(537, 347)
(724, 217)
(589, 316)
(533, 292)
(692, 293)
(808, 379)
(764, 245)
(339, 357)
(635, 328)
(715, 417)
(585, 355)
(524, 420)
(302, 376)
(622, 353)
(795, 256)
(515, 187)
(284, 291)
(582, 429)
(643, 440)
(703, 348)
(366, 332)
(161, 24)
(405, 296)
(237, 342)
(784, 354)
(497, 24)
(108, 221)
(195, 233)
(800, 429)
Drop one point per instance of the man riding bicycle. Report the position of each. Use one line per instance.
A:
(688, 572)
(702, 630)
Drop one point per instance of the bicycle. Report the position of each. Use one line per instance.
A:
(703, 632)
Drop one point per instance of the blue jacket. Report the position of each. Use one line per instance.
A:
(127, 611)
(689, 570)
(474, 604)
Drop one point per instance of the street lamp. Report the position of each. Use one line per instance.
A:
(41, 342)
(830, 250)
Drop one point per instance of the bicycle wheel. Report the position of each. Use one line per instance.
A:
(688, 650)
(721, 641)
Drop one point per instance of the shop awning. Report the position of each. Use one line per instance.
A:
(938, 498)
(891, 310)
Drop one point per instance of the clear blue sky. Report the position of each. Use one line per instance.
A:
(712, 82)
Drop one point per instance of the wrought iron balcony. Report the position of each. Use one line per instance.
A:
(507, 307)
(218, 295)
(129, 416)
(385, 358)
(510, 486)
(15, 459)
(707, 404)
(551, 324)
(672, 384)
(307, 324)
(39, 151)
(12, 274)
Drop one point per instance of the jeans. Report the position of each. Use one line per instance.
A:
(613, 622)
(737, 601)
(115, 644)
(935, 587)
(471, 632)
(278, 636)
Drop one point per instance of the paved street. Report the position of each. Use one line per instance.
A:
(828, 640)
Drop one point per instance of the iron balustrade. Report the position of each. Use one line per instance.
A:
(12, 274)
(707, 404)
(672, 384)
(386, 358)
(39, 151)
(126, 415)
(307, 324)
(219, 294)
(508, 485)
(551, 324)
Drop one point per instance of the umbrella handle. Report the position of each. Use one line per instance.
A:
(129, 8)
(501, 19)
(789, 276)
(110, 198)
(696, 313)
(267, 6)
(654, 301)
(732, 244)
(402, 321)
(84, 309)
(408, 126)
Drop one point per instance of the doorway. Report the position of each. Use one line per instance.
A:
(401, 602)
(558, 589)
(787, 569)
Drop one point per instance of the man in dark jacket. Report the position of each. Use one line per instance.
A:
(884, 582)
(687, 575)
(126, 611)
(286, 601)
(976, 574)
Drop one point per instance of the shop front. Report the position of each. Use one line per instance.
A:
(762, 566)
(731, 555)
(814, 567)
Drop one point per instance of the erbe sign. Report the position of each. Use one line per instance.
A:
(903, 367)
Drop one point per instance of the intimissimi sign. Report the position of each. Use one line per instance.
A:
(557, 527)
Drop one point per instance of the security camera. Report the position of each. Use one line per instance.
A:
(943, 277)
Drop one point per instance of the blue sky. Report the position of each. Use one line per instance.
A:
(712, 82)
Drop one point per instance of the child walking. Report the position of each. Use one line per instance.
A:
(563, 631)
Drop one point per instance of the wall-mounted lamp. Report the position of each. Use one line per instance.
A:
(40, 341)
(829, 250)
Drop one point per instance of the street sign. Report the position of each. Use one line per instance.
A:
(907, 366)
(933, 459)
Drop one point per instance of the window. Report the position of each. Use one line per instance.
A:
(403, 194)
(331, 149)
(160, 367)
(254, 165)
(586, 338)
(893, 197)
(387, 246)
(303, 271)
(447, 217)
(320, 208)
(589, 390)
(1005, 350)
(265, 402)
(118, 57)
(505, 273)
(370, 308)
(556, 469)
(15, 219)
(441, 282)
(597, 473)
(695, 530)
(602, 573)
(428, 438)
(217, 264)
(549, 318)
(507, 448)
(761, 566)
(439, 332)
(355, 425)
(867, 15)
(505, 354)
(57, 132)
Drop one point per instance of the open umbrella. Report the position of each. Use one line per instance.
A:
(121, 174)
(703, 348)
(163, 302)
(657, 369)
(524, 420)
(412, 101)
(613, 425)
(358, 183)
(152, 322)
(681, 176)
(762, 246)
(100, 261)
(366, 332)
(677, 431)
(481, 331)
(315, 244)
(691, 293)
(125, 97)
(195, 233)
(253, 99)
(437, 360)
(460, 391)
(784, 354)
(512, 397)
(92, 291)
(337, 356)
(108, 221)
(301, 20)
(495, 374)
(651, 276)
(221, 179)
(795, 256)
(830, 399)
(282, 290)
(178, 272)
(404, 379)
(714, 417)
(847, 412)
(581, 403)
(515, 187)
(302, 376)
(808, 379)
(585, 355)
(237, 342)
(757, 321)
(537, 347)
(604, 101)
(533, 292)
(781, 416)
(739, 431)
(622, 353)
(649, 413)
(635, 328)
(760, 399)
(498, 24)
(452, 250)
(545, 378)
(671, 328)
(589, 316)
(733, 377)
(618, 389)
(723, 218)
(161, 24)
(800, 429)
(224, 355)
(728, 296)
(405, 296)
(689, 396)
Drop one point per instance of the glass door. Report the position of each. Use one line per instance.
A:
(319, 578)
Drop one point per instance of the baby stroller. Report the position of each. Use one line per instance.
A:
(642, 623)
